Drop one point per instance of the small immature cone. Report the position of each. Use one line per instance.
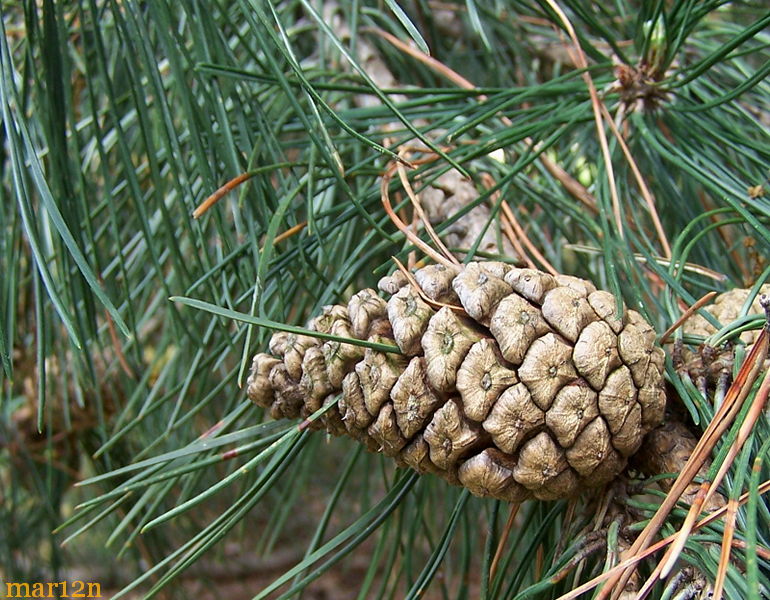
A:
(525, 385)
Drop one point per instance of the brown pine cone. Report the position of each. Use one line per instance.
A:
(535, 387)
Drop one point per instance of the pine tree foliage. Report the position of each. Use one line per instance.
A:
(127, 325)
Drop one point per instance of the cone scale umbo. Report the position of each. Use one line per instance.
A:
(510, 382)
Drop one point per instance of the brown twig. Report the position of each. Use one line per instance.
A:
(416, 287)
(596, 106)
(503, 540)
(511, 220)
(289, 232)
(508, 229)
(665, 262)
(421, 214)
(221, 192)
(727, 545)
(686, 315)
(408, 233)
(643, 188)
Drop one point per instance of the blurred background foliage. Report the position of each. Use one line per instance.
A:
(126, 325)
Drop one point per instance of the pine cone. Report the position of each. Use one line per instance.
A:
(534, 388)
(713, 365)
(725, 309)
